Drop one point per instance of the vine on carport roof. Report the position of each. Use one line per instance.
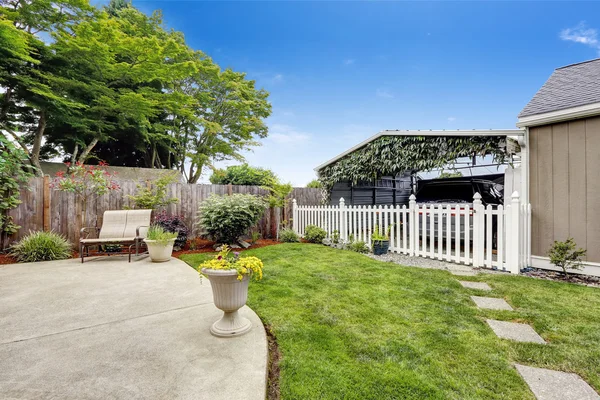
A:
(391, 155)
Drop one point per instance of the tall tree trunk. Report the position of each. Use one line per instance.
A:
(153, 158)
(37, 142)
(75, 151)
(86, 152)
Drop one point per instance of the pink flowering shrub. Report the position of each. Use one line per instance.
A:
(86, 181)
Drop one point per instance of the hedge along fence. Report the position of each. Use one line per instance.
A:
(44, 208)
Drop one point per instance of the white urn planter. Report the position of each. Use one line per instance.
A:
(159, 250)
(229, 295)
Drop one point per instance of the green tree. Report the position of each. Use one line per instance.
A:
(119, 76)
(86, 182)
(13, 173)
(243, 175)
(154, 195)
(315, 184)
(31, 92)
(227, 118)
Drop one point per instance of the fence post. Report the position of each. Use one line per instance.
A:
(46, 203)
(513, 236)
(412, 205)
(478, 231)
(343, 221)
(294, 215)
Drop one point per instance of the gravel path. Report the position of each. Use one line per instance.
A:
(421, 262)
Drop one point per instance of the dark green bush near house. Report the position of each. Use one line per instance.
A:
(226, 218)
(288, 235)
(314, 234)
(359, 246)
(42, 246)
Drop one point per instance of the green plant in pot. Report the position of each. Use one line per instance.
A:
(380, 243)
(160, 243)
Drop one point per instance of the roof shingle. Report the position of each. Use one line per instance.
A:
(571, 86)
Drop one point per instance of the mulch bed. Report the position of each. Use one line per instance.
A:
(558, 276)
(6, 259)
(273, 392)
(202, 246)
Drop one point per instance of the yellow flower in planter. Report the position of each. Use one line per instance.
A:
(252, 266)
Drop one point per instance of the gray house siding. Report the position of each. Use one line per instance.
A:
(565, 185)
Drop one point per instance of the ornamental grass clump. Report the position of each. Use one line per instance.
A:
(160, 235)
(42, 246)
(226, 260)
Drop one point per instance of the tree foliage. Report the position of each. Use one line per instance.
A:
(448, 174)
(120, 76)
(13, 173)
(314, 184)
(243, 175)
(153, 195)
(391, 155)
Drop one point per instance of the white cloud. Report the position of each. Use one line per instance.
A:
(581, 34)
(384, 93)
(349, 61)
(451, 119)
(285, 134)
(278, 78)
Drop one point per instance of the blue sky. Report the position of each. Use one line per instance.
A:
(338, 72)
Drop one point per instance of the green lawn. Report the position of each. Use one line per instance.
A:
(350, 327)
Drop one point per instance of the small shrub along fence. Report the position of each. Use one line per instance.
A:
(46, 209)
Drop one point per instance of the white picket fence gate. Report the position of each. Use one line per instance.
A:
(495, 237)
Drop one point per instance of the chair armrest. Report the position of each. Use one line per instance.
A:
(137, 230)
(84, 232)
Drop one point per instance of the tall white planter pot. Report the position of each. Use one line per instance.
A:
(159, 251)
(229, 295)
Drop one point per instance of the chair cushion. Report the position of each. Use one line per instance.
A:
(137, 218)
(113, 224)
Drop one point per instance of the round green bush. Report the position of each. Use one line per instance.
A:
(314, 234)
(226, 218)
(42, 246)
(288, 235)
(359, 247)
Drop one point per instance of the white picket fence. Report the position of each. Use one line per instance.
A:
(494, 237)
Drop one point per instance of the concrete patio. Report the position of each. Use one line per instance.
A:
(109, 329)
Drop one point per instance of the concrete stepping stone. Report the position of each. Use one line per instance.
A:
(547, 384)
(515, 331)
(491, 303)
(475, 285)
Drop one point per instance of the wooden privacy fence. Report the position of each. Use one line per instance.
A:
(492, 237)
(44, 208)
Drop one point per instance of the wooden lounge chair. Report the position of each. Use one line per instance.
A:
(119, 227)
